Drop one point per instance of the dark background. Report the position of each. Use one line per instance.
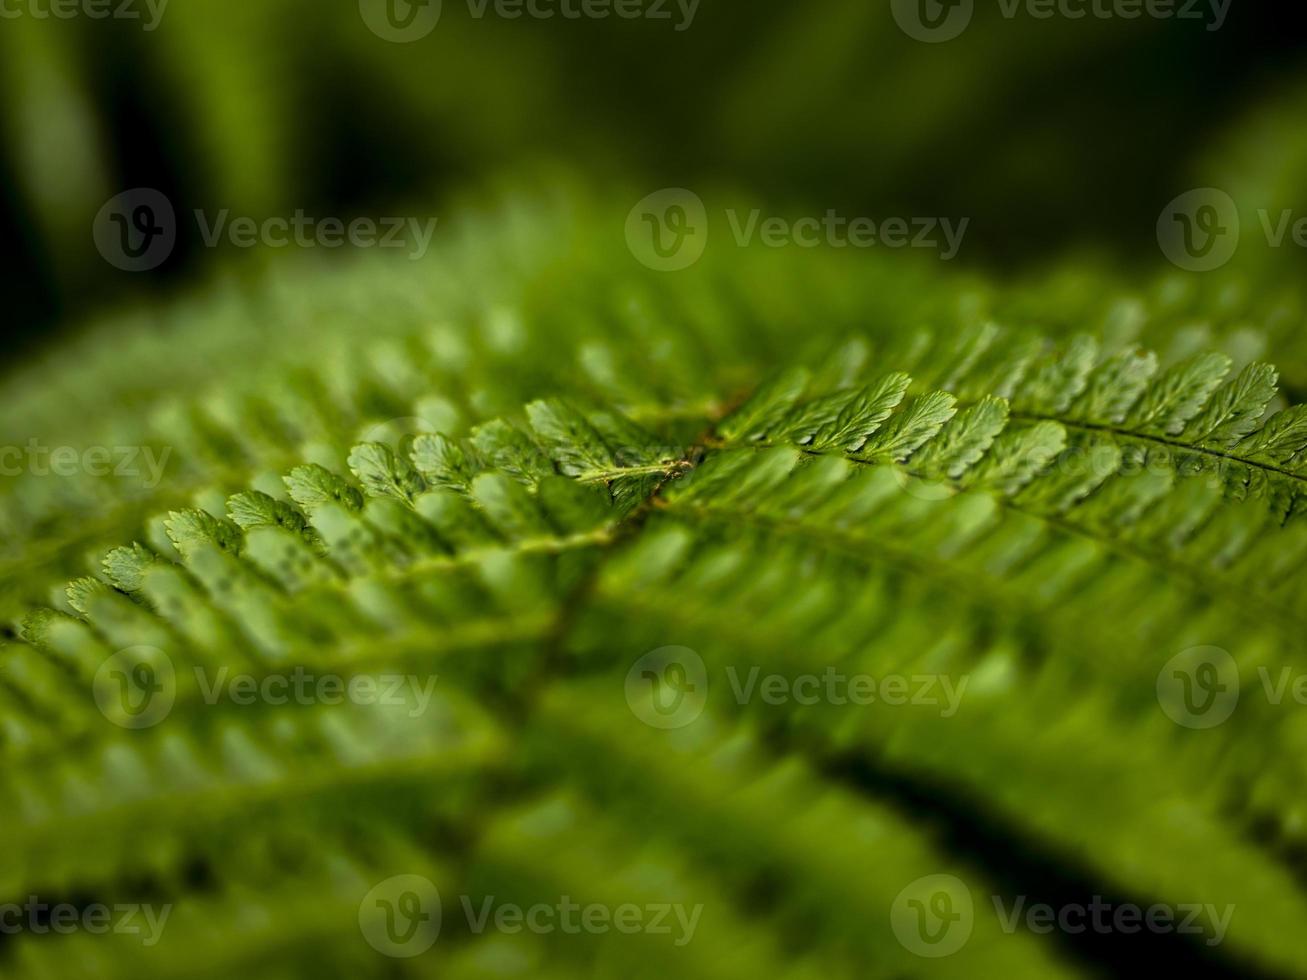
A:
(1056, 137)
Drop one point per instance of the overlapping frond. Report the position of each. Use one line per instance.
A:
(519, 512)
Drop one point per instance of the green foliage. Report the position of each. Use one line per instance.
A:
(523, 498)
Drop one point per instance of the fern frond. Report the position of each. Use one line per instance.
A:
(524, 499)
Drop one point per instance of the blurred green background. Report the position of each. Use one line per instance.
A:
(1059, 140)
(1056, 137)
